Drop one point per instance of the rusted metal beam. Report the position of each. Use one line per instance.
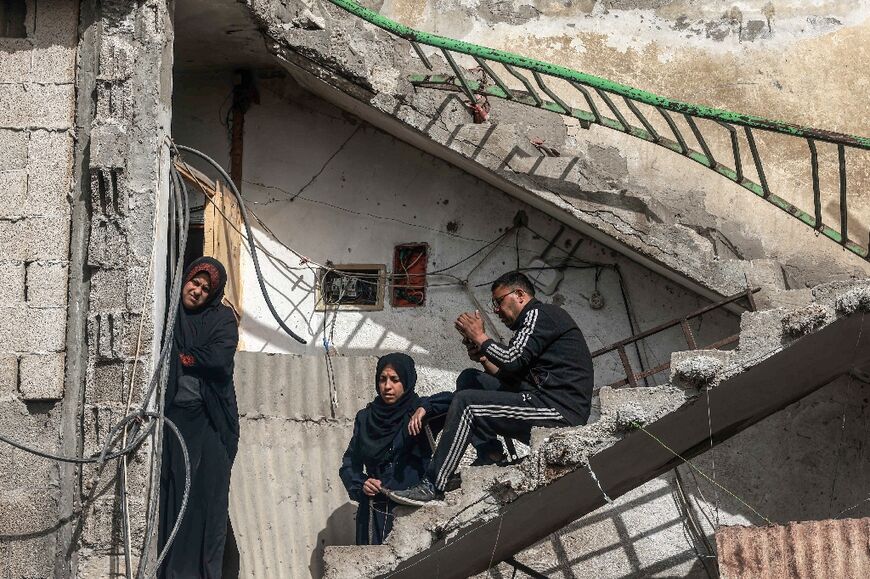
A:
(675, 322)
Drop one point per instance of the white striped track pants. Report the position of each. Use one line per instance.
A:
(486, 413)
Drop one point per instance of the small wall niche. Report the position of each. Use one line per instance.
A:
(351, 287)
(409, 275)
(13, 15)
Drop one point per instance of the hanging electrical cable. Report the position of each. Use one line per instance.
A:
(252, 246)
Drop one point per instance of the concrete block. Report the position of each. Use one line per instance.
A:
(51, 63)
(41, 377)
(108, 383)
(50, 168)
(37, 430)
(634, 407)
(108, 245)
(15, 64)
(28, 514)
(770, 299)
(104, 566)
(765, 273)
(14, 106)
(13, 191)
(761, 334)
(109, 146)
(13, 149)
(8, 375)
(52, 106)
(365, 561)
(806, 319)
(49, 106)
(103, 524)
(109, 289)
(34, 238)
(32, 330)
(99, 420)
(116, 58)
(46, 284)
(106, 334)
(27, 510)
(32, 557)
(11, 283)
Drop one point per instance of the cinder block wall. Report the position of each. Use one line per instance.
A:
(37, 115)
(127, 56)
(84, 115)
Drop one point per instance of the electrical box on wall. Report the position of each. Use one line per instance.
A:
(351, 287)
(409, 275)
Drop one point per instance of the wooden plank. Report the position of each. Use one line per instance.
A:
(223, 241)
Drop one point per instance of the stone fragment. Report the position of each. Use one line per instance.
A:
(802, 321)
(855, 300)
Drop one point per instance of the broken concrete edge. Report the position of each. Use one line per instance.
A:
(319, 55)
(554, 453)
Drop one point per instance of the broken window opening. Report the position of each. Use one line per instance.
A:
(351, 287)
(409, 275)
(12, 19)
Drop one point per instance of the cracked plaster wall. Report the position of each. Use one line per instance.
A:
(388, 193)
(785, 60)
(802, 69)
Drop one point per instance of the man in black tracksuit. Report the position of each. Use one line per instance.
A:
(543, 377)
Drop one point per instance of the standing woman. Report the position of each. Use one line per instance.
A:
(388, 448)
(201, 401)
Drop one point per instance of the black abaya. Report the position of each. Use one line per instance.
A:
(201, 401)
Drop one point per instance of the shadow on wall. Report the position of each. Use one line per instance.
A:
(340, 529)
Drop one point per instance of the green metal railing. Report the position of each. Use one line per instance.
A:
(597, 96)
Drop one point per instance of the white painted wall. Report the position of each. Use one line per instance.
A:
(375, 193)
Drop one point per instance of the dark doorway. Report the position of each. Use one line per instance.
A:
(195, 243)
(12, 17)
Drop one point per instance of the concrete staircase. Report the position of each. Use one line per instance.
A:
(784, 354)
(660, 221)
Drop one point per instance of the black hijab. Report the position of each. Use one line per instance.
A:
(194, 326)
(384, 420)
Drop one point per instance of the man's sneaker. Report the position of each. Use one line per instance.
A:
(453, 483)
(487, 460)
(417, 496)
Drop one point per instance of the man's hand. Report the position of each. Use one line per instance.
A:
(415, 425)
(471, 326)
(371, 487)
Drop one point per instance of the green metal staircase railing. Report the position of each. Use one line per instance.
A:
(597, 96)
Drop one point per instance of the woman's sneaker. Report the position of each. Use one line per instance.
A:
(417, 496)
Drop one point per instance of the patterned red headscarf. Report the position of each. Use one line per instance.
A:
(214, 277)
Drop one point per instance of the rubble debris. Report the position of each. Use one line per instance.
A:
(807, 319)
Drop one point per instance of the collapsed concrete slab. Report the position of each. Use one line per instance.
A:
(642, 433)
(589, 186)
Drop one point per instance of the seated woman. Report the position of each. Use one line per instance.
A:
(201, 401)
(388, 448)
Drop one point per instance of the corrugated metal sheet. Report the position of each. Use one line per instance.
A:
(286, 500)
(813, 549)
(298, 387)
